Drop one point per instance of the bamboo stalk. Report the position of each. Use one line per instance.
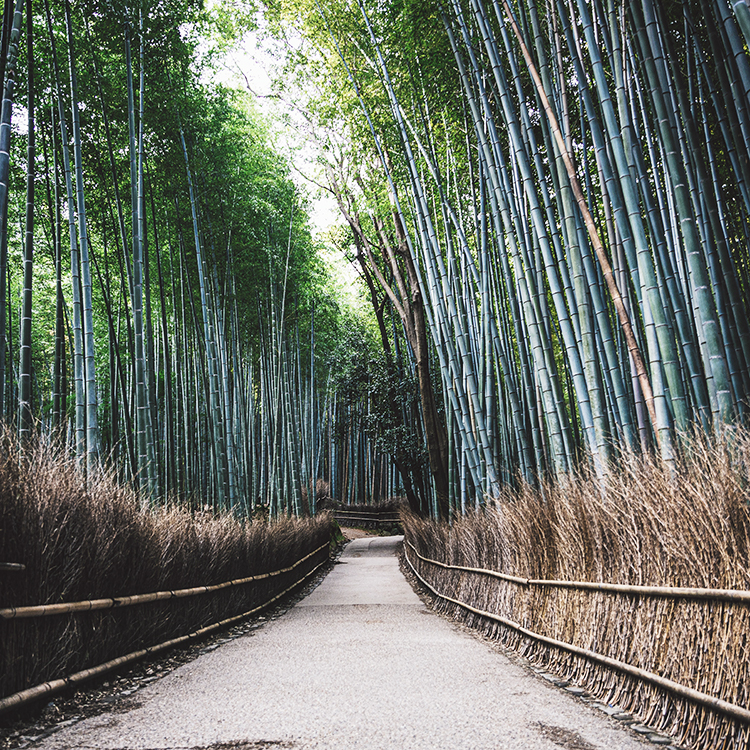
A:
(593, 233)
(88, 372)
(26, 416)
(12, 566)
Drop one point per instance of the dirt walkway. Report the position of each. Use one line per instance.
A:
(360, 663)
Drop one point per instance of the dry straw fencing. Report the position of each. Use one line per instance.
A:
(640, 594)
(674, 690)
(385, 516)
(317, 559)
(85, 541)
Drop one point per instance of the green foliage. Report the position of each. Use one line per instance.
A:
(229, 20)
(433, 112)
(385, 396)
(205, 328)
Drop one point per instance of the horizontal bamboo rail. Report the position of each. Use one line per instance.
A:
(374, 518)
(671, 592)
(374, 514)
(43, 610)
(12, 566)
(55, 686)
(696, 696)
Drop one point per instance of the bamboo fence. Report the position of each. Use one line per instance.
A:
(670, 592)
(625, 644)
(42, 610)
(6, 566)
(23, 697)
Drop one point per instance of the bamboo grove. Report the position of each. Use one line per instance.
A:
(547, 202)
(163, 309)
(562, 186)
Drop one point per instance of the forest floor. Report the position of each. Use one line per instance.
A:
(361, 662)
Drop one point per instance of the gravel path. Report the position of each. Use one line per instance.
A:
(361, 663)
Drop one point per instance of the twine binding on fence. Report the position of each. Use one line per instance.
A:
(42, 610)
(55, 686)
(716, 704)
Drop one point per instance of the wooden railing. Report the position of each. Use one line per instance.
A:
(42, 610)
(367, 519)
(736, 712)
(12, 566)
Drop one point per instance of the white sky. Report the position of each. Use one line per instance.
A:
(252, 67)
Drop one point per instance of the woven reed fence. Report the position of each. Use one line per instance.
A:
(530, 576)
(85, 541)
(385, 516)
(300, 571)
(368, 520)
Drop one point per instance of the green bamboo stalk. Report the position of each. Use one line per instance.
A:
(591, 227)
(92, 432)
(25, 417)
(701, 289)
(9, 83)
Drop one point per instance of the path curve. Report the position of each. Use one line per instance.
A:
(361, 663)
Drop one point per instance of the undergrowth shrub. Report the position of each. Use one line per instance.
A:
(645, 524)
(89, 540)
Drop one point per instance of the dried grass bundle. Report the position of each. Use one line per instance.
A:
(86, 541)
(648, 525)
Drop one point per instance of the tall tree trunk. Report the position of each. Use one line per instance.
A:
(409, 304)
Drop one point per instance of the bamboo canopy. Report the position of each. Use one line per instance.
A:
(569, 183)
(548, 204)
(166, 250)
